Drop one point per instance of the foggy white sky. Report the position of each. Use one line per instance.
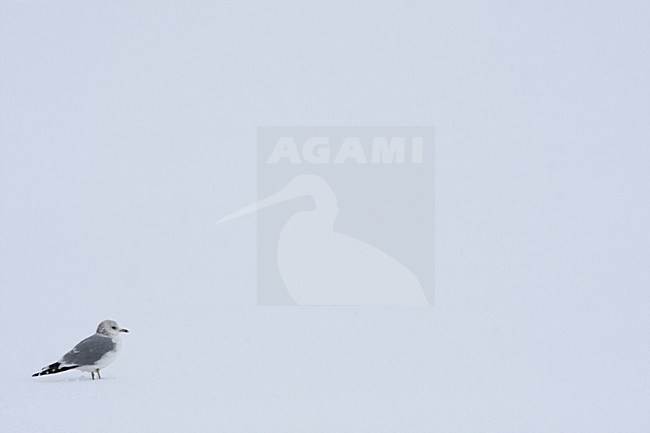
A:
(128, 128)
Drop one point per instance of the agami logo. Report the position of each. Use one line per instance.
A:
(320, 150)
(345, 216)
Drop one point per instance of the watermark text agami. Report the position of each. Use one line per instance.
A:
(357, 150)
(345, 215)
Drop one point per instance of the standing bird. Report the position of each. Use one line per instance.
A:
(91, 354)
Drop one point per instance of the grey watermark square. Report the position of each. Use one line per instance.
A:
(345, 215)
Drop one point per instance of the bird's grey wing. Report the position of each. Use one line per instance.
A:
(88, 351)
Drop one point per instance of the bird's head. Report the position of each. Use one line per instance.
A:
(110, 328)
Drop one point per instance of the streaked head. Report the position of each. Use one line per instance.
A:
(110, 328)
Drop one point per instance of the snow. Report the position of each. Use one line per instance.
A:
(127, 129)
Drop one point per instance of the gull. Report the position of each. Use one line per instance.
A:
(91, 354)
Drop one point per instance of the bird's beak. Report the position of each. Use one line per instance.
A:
(124, 330)
(283, 195)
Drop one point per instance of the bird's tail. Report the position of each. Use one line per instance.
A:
(54, 368)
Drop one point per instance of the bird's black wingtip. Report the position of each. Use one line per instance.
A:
(53, 369)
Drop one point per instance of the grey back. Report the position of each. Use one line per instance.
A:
(89, 351)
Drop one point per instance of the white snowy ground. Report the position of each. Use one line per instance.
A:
(128, 128)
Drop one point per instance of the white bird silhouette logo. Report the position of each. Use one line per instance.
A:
(322, 267)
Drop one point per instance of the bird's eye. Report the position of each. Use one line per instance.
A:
(114, 327)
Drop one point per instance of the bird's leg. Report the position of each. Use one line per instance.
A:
(92, 374)
(98, 375)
